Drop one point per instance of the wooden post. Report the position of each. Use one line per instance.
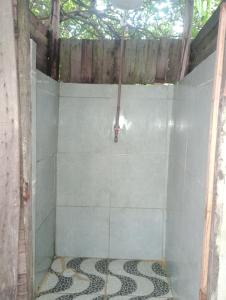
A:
(25, 281)
(54, 40)
(9, 156)
(216, 196)
(185, 53)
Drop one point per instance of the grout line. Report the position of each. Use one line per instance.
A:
(109, 214)
(118, 207)
(51, 211)
(46, 92)
(109, 230)
(88, 98)
(49, 156)
(164, 216)
(208, 82)
(77, 98)
(105, 289)
(112, 154)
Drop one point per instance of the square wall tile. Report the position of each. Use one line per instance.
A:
(46, 83)
(194, 205)
(84, 179)
(136, 233)
(45, 244)
(86, 90)
(198, 139)
(204, 72)
(139, 181)
(140, 91)
(175, 188)
(143, 124)
(47, 106)
(183, 110)
(85, 125)
(45, 188)
(45, 236)
(82, 231)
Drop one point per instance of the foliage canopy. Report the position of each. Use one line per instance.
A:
(96, 19)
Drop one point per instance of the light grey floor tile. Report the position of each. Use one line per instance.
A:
(73, 276)
(137, 278)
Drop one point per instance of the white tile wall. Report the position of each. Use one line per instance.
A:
(45, 245)
(145, 124)
(45, 188)
(84, 179)
(96, 174)
(47, 116)
(139, 181)
(198, 133)
(85, 124)
(111, 198)
(47, 107)
(187, 179)
(82, 231)
(136, 233)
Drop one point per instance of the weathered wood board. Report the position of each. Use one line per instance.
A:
(206, 41)
(9, 156)
(25, 270)
(98, 61)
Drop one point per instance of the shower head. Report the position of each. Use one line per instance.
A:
(127, 4)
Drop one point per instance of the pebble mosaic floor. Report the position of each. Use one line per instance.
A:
(104, 279)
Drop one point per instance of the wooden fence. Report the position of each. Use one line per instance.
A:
(145, 61)
(98, 61)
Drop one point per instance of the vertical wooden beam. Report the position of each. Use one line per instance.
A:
(25, 272)
(188, 16)
(54, 40)
(216, 160)
(9, 156)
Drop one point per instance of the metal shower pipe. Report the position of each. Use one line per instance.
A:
(118, 110)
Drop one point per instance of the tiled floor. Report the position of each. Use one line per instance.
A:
(104, 279)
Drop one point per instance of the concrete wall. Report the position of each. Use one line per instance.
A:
(111, 198)
(47, 106)
(187, 179)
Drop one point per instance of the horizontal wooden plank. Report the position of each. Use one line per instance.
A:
(204, 49)
(206, 41)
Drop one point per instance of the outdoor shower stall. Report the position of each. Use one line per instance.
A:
(113, 163)
(141, 200)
